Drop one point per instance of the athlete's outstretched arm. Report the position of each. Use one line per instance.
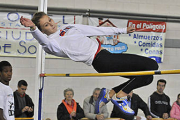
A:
(88, 30)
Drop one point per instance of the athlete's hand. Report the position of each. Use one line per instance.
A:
(27, 22)
(130, 29)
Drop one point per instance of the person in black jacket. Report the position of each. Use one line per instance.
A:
(159, 102)
(69, 109)
(24, 106)
(135, 103)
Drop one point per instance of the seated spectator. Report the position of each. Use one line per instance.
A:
(135, 103)
(24, 106)
(175, 111)
(69, 109)
(159, 102)
(89, 107)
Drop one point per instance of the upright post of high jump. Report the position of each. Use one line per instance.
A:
(40, 63)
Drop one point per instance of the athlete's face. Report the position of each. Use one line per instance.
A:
(48, 26)
(160, 87)
(6, 75)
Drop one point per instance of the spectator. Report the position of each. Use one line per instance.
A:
(135, 103)
(159, 102)
(24, 106)
(175, 111)
(89, 107)
(69, 109)
(6, 93)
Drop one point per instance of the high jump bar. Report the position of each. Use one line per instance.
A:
(139, 73)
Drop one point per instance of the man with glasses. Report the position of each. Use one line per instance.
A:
(159, 102)
(24, 106)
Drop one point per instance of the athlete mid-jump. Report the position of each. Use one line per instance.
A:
(73, 41)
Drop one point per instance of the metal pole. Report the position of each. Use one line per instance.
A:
(40, 63)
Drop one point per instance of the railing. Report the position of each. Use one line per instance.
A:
(124, 119)
(24, 118)
(163, 119)
(104, 119)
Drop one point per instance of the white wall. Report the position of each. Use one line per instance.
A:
(24, 68)
(160, 7)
